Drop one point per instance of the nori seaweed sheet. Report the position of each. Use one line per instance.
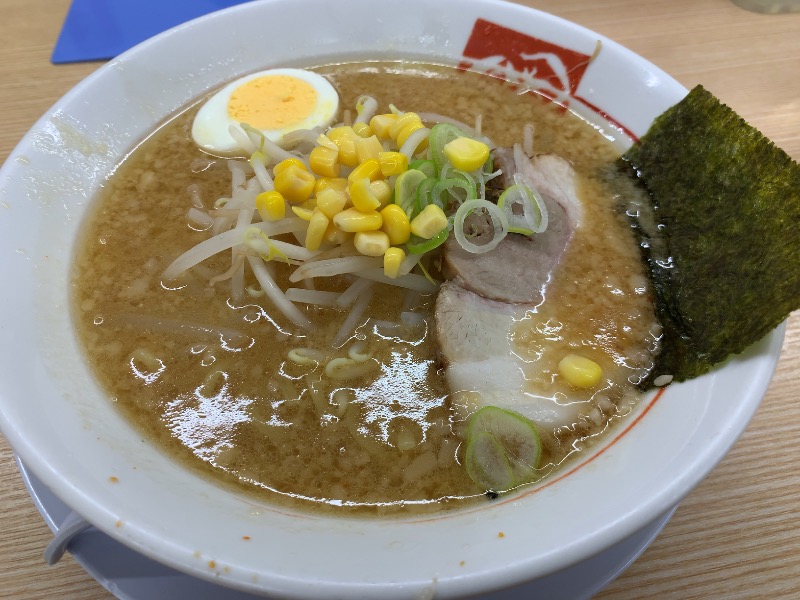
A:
(720, 233)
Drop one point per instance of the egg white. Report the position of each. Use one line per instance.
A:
(210, 129)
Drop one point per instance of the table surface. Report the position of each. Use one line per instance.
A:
(737, 535)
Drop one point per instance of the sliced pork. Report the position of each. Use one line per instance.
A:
(517, 271)
(475, 338)
(488, 293)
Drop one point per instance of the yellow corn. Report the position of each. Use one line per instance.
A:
(380, 125)
(395, 224)
(336, 183)
(334, 235)
(406, 132)
(371, 243)
(317, 226)
(579, 371)
(392, 163)
(466, 154)
(310, 204)
(331, 201)
(370, 168)
(429, 222)
(271, 206)
(324, 161)
(401, 122)
(362, 129)
(337, 134)
(361, 196)
(344, 137)
(303, 212)
(295, 184)
(368, 147)
(354, 221)
(288, 162)
(382, 191)
(392, 259)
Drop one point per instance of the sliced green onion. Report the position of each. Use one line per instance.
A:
(441, 135)
(418, 245)
(405, 189)
(445, 191)
(487, 464)
(426, 166)
(450, 172)
(499, 222)
(426, 274)
(503, 449)
(424, 194)
(488, 166)
(532, 214)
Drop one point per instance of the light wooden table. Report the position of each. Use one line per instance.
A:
(738, 534)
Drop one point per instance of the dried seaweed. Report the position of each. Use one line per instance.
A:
(720, 234)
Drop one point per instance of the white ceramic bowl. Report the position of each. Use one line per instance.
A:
(61, 425)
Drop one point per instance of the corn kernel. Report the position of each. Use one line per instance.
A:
(317, 226)
(361, 196)
(579, 371)
(337, 134)
(295, 184)
(324, 161)
(382, 191)
(392, 163)
(288, 162)
(362, 129)
(395, 224)
(271, 206)
(303, 212)
(380, 125)
(371, 243)
(331, 201)
(334, 235)
(353, 220)
(309, 204)
(336, 183)
(406, 132)
(344, 137)
(370, 168)
(392, 259)
(429, 222)
(401, 122)
(368, 148)
(466, 154)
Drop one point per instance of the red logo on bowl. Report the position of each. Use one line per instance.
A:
(524, 59)
(530, 63)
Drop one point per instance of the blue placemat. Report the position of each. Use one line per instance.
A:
(102, 29)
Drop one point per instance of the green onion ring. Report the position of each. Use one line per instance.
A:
(499, 221)
(418, 245)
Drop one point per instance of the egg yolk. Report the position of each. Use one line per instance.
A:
(272, 102)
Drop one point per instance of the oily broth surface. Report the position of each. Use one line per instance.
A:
(231, 404)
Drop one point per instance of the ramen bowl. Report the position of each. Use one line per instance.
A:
(68, 433)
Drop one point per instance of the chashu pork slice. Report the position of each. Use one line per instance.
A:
(519, 268)
(477, 309)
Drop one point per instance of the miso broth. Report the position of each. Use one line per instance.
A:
(236, 391)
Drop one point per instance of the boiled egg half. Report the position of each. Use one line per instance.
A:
(275, 102)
